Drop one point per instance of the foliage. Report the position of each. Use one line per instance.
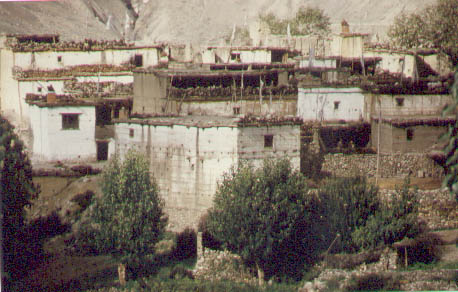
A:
(186, 244)
(311, 162)
(266, 216)
(451, 149)
(433, 27)
(373, 282)
(17, 190)
(129, 216)
(349, 203)
(393, 222)
(307, 21)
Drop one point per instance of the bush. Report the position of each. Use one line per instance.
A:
(83, 199)
(129, 217)
(311, 162)
(266, 216)
(208, 241)
(16, 190)
(391, 223)
(186, 244)
(372, 282)
(347, 205)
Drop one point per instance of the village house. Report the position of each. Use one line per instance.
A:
(190, 154)
(222, 90)
(70, 129)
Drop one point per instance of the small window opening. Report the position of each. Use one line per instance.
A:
(102, 150)
(59, 59)
(131, 133)
(399, 101)
(70, 121)
(268, 141)
(138, 60)
(40, 89)
(50, 88)
(409, 134)
(336, 104)
(236, 110)
(235, 57)
(116, 113)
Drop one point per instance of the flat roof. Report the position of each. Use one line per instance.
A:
(207, 73)
(214, 121)
(416, 120)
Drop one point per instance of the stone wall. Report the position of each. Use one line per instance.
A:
(391, 165)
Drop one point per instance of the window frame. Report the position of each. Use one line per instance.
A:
(70, 125)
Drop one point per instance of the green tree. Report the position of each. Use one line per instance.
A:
(433, 27)
(16, 189)
(349, 203)
(307, 21)
(451, 149)
(392, 222)
(129, 217)
(267, 217)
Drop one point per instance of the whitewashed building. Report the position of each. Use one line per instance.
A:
(189, 155)
(332, 104)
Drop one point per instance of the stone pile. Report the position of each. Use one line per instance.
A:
(222, 265)
(391, 165)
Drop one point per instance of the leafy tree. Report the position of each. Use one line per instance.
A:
(451, 150)
(349, 204)
(129, 216)
(392, 222)
(16, 189)
(307, 21)
(433, 27)
(266, 216)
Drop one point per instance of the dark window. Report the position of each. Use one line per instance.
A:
(409, 134)
(40, 89)
(236, 110)
(59, 59)
(138, 60)
(336, 104)
(235, 57)
(50, 88)
(70, 121)
(399, 101)
(277, 56)
(116, 113)
(268, 141)
(102, 150)
(131, 133)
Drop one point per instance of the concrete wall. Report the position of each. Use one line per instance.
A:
(149, 93)
(51, 142)
(319, 104)
(226, 108)
(350, 46)
(421, 105)
(318, 63)
(50, 59)
(189, 161)
(394, 139)
(286, 143)
(394, 62)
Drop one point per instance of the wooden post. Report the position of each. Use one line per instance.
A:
(378, 138)
(405, 256)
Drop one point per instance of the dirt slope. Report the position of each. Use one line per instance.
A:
(180, 20)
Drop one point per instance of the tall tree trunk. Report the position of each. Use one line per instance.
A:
(260, 275)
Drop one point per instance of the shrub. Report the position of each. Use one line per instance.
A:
(391, 223)
(83, 199)
(372, 282)
(186, 244)
(129, 217)
(347, 203)
(311, 162)
(266, 216)
(208, 240)
(16, 190)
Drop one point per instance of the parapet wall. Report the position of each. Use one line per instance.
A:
(391, 165)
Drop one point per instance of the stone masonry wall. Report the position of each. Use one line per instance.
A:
(391, 165)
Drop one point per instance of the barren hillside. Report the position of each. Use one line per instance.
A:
(180, 20)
